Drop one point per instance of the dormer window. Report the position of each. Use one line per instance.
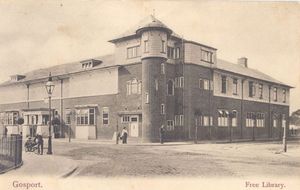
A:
(16, 77)
(90, 63)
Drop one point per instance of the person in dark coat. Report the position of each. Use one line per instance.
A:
(124, 135)
(162, 132)
(5, 131)
(40, 142)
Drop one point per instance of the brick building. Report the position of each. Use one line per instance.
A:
(153, 78)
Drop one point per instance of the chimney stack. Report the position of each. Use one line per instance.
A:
(243, 61)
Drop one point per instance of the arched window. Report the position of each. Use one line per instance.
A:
(170, 87)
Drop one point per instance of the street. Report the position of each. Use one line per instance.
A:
(182, 159)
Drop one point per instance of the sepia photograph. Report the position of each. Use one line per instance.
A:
(149, 94)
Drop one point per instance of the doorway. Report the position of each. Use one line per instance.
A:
(134, 126)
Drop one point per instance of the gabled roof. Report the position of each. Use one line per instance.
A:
(63, 69)
(246, 71)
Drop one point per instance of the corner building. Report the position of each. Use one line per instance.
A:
(154, 78)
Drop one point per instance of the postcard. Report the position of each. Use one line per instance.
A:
(126, 94)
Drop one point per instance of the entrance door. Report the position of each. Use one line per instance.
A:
(134, 126)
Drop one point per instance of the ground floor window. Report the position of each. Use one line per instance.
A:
(204, 120)
(234, 119)
(275, 123)
(283, 121)
(125, 119)
(85, 116)
(9, 118)
(45, 119)
(260, 120)
(179, 120)
(68, 116)
(105, 116)
(170, 125)
(223, 118)
(250, 119)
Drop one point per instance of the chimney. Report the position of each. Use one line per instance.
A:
(243, 61)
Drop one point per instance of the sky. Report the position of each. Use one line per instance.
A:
(37, 34)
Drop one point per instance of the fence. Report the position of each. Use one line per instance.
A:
(10, 151)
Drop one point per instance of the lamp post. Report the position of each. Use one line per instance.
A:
(49, 88)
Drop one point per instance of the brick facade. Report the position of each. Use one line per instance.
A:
(154, 78)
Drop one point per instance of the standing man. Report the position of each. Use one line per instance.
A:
(124, 135)
(40, 142)
(162, 132)
(5, 131)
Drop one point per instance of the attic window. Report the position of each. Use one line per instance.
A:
(90, 63)
(17, 77)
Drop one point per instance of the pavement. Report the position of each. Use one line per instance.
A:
(44, 165)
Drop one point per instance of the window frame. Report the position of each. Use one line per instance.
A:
(179, 120)
(275, 94)
(133, 52)
(123, 120)
(223, 84)
(260, 90)
(235, 86)
(163, 46)
(162, 109)
(168, 88)
(284, 95)
(105, 110)
(223, 118)
(133, 86)
(146, 46)
(170, 125)
(83, 119)
(252, 89)
(250, 119)
(206, 56)
(162, 68)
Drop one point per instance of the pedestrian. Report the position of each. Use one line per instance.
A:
(124, 135)
(162, 132)
(5, 132)
(40, 143)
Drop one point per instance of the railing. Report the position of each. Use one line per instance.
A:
(10, 151)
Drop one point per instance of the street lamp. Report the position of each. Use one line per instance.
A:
(49, 88)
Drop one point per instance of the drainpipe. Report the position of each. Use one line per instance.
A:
(209, 100)
(27, 85)
(61, 107)
(270, 114)
(242, 107)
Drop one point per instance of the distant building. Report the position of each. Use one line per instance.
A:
(153, 78)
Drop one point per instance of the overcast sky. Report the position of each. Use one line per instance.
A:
(36, 34)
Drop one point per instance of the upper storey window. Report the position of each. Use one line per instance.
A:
(251, 89)
(163, 46)
(284, 95)
(235, 86)
(133, 52)
(171, 52)
(275, 94)
(224, 85)
(260, 91)
(170, 88)
(146, 46)
(206, 56)
(134, 87)
(177, 53)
